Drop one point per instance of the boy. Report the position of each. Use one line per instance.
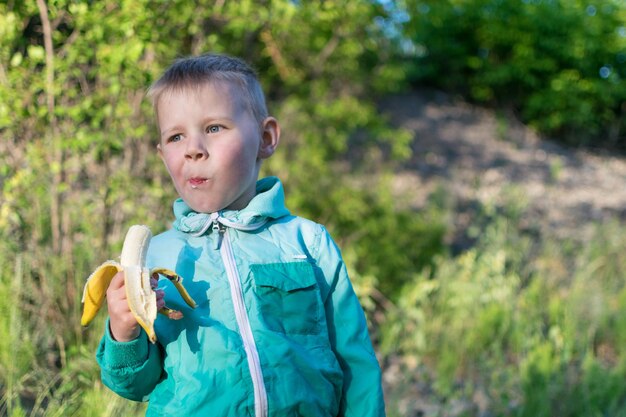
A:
(278, 330)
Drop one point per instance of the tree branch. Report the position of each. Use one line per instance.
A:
(57, 150)
(284, 70)
(47, 40)
(325, 53)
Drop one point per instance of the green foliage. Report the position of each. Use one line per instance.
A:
(533, 340)
(508, 318)
(78, 161)
(15, 357)
(477, 285)
(559, 63)
(380, 239)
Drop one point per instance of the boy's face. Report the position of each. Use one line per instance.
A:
(212, 146)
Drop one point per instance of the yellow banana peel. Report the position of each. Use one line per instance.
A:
(141, 297)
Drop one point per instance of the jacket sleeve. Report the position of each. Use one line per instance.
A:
(130, 369)
(362, 389)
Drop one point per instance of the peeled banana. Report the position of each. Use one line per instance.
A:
(141, 297)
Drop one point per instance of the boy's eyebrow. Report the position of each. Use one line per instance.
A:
(211, 119)
(165, 132)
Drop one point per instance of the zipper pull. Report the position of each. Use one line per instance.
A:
(218, 229)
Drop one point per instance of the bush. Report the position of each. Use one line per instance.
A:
(559, 64)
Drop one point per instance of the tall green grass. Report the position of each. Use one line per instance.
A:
(47, 363)
(515, 326)
(519, 324)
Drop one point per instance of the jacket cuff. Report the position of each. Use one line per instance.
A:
(118, 355)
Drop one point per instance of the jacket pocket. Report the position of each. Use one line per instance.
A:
(288, 296)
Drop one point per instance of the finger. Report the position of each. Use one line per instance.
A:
(121, 310)
(115, 294)
(117, 281)
(154, 280)
(160, 294)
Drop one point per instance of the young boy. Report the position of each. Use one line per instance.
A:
(278, 330)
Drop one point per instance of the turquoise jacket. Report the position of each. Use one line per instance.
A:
(278, 330)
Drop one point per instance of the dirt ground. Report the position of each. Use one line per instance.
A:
(480, 156)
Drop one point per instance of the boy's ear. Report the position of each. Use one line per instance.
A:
(270, 137)
(159, 150)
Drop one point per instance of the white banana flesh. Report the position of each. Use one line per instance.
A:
(141, 297)
(139, 293)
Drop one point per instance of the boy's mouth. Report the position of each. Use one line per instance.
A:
(196, 181)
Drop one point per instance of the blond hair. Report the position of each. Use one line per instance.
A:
(195, 71)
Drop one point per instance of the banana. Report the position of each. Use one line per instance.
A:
(141, 297)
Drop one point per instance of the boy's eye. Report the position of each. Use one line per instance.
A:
(214, 128)
(175, 138)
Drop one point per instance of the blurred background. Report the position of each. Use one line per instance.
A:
(467, 156)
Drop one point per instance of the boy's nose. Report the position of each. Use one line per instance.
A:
(196, 148)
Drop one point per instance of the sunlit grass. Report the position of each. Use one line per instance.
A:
(520, 332)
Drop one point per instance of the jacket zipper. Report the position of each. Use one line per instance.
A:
(236, 293)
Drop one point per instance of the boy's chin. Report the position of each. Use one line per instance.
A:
(205, 207)
(200, 206)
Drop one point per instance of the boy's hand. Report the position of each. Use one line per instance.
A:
(124, 326)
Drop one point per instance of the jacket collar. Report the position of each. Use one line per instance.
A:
(268, 204)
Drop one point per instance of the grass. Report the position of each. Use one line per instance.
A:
(518, 325)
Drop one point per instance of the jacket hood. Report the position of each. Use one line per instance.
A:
(268, 204)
